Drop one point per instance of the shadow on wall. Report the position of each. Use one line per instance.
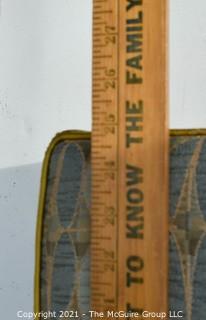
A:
(19, 190)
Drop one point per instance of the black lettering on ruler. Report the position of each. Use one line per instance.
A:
(134, 48)
(134, 123)
(132, 3)
(135, 200)
(135, 264)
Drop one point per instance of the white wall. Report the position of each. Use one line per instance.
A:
(45, 87)
(19, 187)
(187, 64)
(45, 72)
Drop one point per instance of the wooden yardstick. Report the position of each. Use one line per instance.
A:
(129, 244)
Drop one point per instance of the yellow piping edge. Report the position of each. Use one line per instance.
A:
(65, 135)
(188, 132)
(70, 135)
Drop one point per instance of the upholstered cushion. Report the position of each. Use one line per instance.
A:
(187, 274)
(62, 279)
(62, 268)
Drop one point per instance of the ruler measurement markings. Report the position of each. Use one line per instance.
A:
(101, 192)
(102, 56)
(104, 79)
(97, 7)
(99, 68)
(97, 226)
(107, 123)
(103, 12)
(99, 205)
(96, 248)
(97, 197)
(97, 23)
(97, 131)
(95, 78)
(100, 46)
(98, 217)
(96, 18)
(101, 215)
(93, 43)
(96, 221)
(103, 147)
(97, 283)
(97, 164)
(99, 135)
(115, 141)
(99, 238)
(97, 40)
(96, 96)
(94, 244)
(98, 294)
(98, 152)
(100, 268)
(96, 252)
(98, 180)
(99, 1)
(99, 90)
(105, 34)
(96, 62)
(97, 74)
(105, 169)
(96, 118)
(97, 273)
(97, 52)
(102, 101)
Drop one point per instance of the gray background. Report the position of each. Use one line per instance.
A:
(45, 87)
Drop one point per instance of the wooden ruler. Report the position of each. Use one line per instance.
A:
(129, 243)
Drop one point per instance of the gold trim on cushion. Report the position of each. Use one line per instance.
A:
(65, 135)
(70, 135)
(188, 132)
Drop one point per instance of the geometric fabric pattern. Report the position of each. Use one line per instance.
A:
(63, 264)
(187, 274)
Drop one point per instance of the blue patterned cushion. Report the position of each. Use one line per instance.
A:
(64, 263)
(64, 271)
(187, 274)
